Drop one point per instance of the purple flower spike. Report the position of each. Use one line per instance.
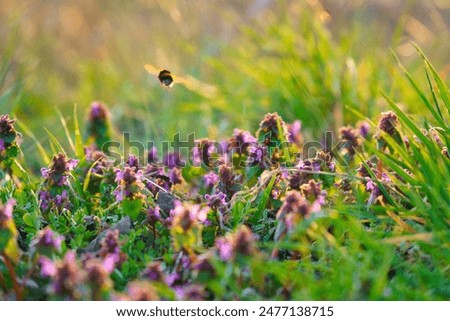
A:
(210, 179)
(129, 184)
(153, 215)
(132, 161)
(225, 249)
(98, 111)
(257, 154)
(47, 239)
(216, 201)
(152, 156)
(294, 132)
(47, 267)
(388, 122)
(364, 128)
(186, 215)
(154, 272)
(6, 211)
(172, 160)
(57, 173)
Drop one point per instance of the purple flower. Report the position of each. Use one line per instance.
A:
(388, 122)
(62, 199)
(371, 186)
(109, 262)
(47, 267)
(46, 239)
(239, 243)
(203, 151)
(152, 156)
(47, 201)
(203, 264)
(186, 215)
(153, 215)
(132, 161)
(172, 278)
(99, 127)
(294, 202)
(257, 155)
(129, 184)
(244, 241)
(6, 212)
(192, 292)
(216, 201)
(153, 170)
(294, 132)
(312, 190)
(154, 272)
(175, 176)
(385, 178)
(44, 198)
(142, 291)
(225, 248)
(68, 277)
(270, 127)
(240, 141)
(228, 180)
(364, 128)
(8, 134)
(110, 243)
(172, 160)
(102, 163)
(210, 179)
(98, 112)
(363, 172)
(351, 138)
(98, 276)
(57, 173)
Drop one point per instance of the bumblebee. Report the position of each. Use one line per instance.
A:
(167, 79)
(164, 76)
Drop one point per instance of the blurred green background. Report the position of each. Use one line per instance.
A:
(323, 62)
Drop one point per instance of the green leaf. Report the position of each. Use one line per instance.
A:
(5, 237)
(29, 219)
(19, 171)
(132, 208)
(264, 198)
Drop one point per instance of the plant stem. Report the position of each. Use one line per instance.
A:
(17, 289)
(3, 282)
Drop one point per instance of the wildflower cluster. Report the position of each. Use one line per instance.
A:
(55, 189)
(9, 141)
(250, 217)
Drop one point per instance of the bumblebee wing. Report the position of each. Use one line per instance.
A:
(195, 85)
(152, 70)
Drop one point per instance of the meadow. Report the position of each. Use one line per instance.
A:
(304, 156)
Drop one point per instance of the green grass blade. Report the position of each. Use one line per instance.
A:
(55, 142)
(78, 138)
(39, 146)
(444, 91)
(421, 94)
(66, 130)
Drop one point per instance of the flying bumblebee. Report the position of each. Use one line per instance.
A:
(167, 79)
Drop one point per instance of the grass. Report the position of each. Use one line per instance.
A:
(381, 234)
